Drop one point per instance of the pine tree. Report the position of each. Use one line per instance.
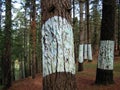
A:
(81, 45)
(33, 34)
(7, 46)
(104, 74)
(57, 46)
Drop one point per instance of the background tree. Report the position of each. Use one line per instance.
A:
(57, 46)
(0, 41)
(7, 46)
(119, 26)
(96, 21)
(89, 47)
(104, 74)
(33, 36)
(81, 34)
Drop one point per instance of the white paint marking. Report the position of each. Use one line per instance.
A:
(81, 53)
(85, 51)
(106, 55)
(57, 46)
(89, 52)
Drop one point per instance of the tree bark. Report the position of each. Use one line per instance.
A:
(33, 34)
(119, 27)
(89, 49)
(104, 74)
(0, 42)
(7, 46)
(81, 43)
(57, 46)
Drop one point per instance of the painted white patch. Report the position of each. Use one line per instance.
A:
(89, 52)
(85, 51)
(81, 53)
(57, 46)
(106, 55)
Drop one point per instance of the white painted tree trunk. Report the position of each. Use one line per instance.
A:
(81, 53)
(85, 51)
(106, 55)
(57, 46)
(88, 52)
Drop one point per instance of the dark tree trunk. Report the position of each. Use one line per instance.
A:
(104, 74)
(57, 46)
(0, 42)
(7, 46)
(33, 34)
(119, 27)
(89, 49)
(81, 43)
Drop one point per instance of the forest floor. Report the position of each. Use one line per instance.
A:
(85, 79)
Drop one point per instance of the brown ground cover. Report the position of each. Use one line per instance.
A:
(85, 79)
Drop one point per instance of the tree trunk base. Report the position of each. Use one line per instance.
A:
(59, 81)
(104, 77)
(80, 66)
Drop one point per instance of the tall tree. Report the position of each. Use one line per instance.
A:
(7, 46)
(0, 42)
(104, 74)
(89, 49)
(57, 46)
(33, 34)
(119, 26)
(81, 43)
(96, 25)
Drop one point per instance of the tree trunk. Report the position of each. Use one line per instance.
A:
(119, 27)
(7, 46)
(0, 42)
(57, 46)
(33, 34)
(89, 49)
(81, 43)
(104, 74)
(96, 24)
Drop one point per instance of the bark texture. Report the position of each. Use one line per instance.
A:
(59, 81)
(57, 46)
(81, 58)
(33, 34)
(104, 74)
(7, 46)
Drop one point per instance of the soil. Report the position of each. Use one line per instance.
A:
(84, 82)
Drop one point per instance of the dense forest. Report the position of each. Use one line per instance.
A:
(59, 43)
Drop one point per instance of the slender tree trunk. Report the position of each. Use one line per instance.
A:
(81, 43)
(7, 46)
(0, 42)
(119, 27)
(104, 73)
(74, 22)
(57, 46)
(89, 49)
(33, 34)
(25, 45)
(96, 21)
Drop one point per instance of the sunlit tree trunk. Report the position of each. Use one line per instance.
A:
(7, 46)
(57, 46)
(104, 74)
(33, 34)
